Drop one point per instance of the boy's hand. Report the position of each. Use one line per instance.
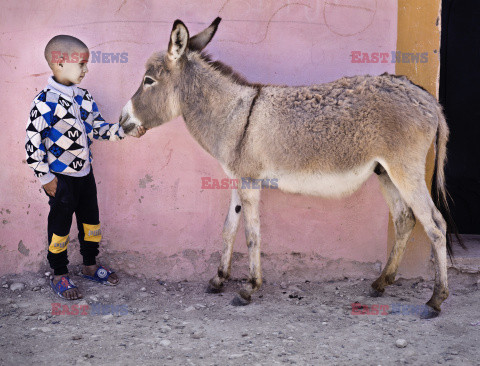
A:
(51, 187)
(116, 132)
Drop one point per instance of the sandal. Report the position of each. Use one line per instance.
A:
(63, 285)
(101, 276)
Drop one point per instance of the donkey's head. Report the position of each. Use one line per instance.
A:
(157, 99)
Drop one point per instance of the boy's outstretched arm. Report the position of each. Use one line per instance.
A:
(108, 131)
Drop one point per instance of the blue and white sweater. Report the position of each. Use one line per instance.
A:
(63, 120)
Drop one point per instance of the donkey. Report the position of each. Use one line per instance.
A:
(323, 140)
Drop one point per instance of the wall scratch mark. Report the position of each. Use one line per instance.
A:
(268, 24)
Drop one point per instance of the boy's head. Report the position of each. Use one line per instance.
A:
(67, 56)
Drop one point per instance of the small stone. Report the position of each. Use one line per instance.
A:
(197, 335)
(235, 355)
(107, 317)
(401, 343)
(165, 329)
(76, 337)
(48, 274)
(41, 281)
(36, 288)
(42, 317)
(190, 308)
(5, 285)
(143, 289)
(165, 342)
(44, 329)
(94, 298)
(17, 286)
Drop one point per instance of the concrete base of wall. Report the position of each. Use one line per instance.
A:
(190, 264)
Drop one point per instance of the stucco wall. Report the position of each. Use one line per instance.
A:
(156, 218)
(419, 32)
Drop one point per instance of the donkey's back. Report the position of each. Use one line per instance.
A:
(341, 126)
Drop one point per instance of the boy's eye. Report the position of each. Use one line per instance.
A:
(148, 81)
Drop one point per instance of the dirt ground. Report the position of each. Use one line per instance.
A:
(289, 322)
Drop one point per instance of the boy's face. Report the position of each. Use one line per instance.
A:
(72, 69)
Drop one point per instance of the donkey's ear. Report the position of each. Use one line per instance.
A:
(178, 40)
(200, 41)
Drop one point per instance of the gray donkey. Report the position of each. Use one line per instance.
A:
(324, 140)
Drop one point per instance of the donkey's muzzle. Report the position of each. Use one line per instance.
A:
(128, 128)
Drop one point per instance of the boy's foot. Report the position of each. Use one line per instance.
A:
(90, 271)
(71, 294)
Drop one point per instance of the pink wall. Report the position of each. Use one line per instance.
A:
(156, 218)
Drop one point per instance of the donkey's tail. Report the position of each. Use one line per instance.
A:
(439, 190)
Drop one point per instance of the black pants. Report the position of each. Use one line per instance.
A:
(74, 195)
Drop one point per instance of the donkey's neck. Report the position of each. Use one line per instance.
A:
(215, 109)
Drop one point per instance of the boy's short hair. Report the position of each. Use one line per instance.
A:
(60, 45)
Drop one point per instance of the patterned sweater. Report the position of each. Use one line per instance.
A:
(63, 120)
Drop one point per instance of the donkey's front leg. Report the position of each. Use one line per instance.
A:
(250, 201)
(229, 233)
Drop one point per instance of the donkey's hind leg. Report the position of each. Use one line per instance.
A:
(250, 201)
(229, 233)
(415, 192)
(404, 221)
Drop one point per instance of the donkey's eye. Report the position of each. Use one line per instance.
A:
(148, 81)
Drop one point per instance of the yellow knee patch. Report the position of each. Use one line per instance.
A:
(92, 232)
(58, 244)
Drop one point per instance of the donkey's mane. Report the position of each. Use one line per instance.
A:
(226, 70)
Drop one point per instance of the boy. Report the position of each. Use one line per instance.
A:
(63, 119)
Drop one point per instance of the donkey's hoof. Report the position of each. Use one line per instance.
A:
(243, 298)
(212, 289)
(375, 293)
(429, 313)
(239, 301)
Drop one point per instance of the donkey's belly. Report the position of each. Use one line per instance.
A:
(332, 185)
